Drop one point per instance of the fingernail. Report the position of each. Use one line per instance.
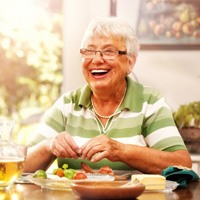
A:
(78, 151)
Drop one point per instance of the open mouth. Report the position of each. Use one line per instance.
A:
(99, 72)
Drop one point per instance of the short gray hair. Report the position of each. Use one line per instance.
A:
(107, 26)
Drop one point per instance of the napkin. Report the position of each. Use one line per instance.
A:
(181, 175)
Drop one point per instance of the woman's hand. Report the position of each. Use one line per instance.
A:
(101, 147)
(63, 146)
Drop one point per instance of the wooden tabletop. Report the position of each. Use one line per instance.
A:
(31, 191)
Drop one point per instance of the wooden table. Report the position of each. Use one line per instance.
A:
(31, 191)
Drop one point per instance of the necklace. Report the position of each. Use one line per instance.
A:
(115, 112)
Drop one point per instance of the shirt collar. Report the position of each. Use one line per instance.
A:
(134, 96)
(85, 97)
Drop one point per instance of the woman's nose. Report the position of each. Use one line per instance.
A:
(97, 58)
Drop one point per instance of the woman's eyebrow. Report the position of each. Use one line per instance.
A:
(103, 47)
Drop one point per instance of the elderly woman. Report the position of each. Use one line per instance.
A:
(112, 120)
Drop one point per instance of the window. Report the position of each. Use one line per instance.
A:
(31, 58)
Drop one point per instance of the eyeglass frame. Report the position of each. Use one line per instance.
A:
(102, 53)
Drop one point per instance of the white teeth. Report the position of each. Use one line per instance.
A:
(99, 71)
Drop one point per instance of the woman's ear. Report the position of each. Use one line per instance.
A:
(131, 63)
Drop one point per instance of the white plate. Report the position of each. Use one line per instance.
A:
(169, 186)
(54, 182)
(99, 177)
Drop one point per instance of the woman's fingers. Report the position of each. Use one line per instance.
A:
(64, 146)
(96, 149)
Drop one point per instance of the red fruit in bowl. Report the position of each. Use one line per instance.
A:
(80, 176)
(105, 170)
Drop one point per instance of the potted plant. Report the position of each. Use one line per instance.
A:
(187, 119)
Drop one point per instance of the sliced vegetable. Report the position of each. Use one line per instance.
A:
(80, 175)
(65, 166)
(105, 170)
(69, 173)
(40, 174)
(59, 172)
(86, 168)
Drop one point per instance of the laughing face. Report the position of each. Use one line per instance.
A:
(106, 74)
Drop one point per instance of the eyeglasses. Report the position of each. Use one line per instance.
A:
(106, 54)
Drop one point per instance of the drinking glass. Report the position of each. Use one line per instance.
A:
(12, 156)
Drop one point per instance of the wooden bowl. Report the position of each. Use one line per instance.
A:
(107, 189)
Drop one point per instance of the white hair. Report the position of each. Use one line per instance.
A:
(107, 26)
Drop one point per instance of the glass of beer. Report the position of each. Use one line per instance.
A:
(12, 156)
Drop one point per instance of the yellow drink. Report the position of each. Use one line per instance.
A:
(10, 170)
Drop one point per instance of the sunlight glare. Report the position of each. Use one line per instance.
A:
(21, 13)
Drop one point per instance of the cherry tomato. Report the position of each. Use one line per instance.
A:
(59, 172)
(79, 176)
(105, 170)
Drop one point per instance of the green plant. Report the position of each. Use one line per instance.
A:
(188, 115)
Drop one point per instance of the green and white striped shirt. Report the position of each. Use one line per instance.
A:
(145, 119)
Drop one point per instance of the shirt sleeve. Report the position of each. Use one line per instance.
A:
(159, 128)
(51, 123)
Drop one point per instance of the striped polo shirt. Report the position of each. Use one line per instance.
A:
(144, 119)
